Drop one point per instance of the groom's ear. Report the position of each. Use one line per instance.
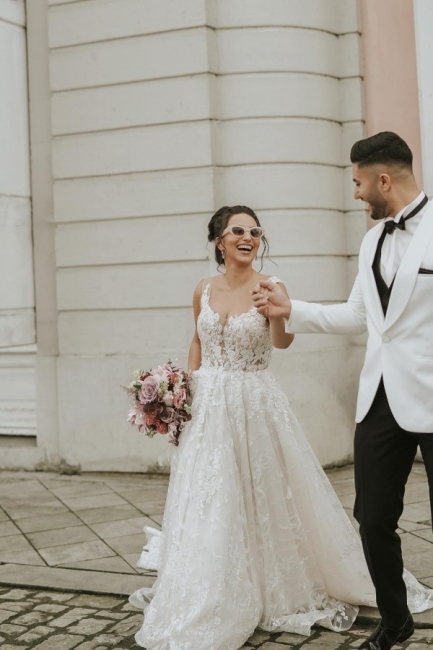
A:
(385, 182)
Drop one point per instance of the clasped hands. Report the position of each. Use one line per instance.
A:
(271, 300)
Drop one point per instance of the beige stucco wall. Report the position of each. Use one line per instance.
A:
(161, 113)
(390, 66)
(423, 10)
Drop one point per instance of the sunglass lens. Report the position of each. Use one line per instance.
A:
(238, 231)
(256, 233)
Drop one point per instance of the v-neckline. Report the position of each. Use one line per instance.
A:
(230, 317)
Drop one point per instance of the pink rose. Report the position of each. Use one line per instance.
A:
(168, 415)
(179, 398)
(149, 390)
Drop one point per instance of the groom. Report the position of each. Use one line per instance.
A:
(392, 298)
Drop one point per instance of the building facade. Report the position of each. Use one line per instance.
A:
(126, 124)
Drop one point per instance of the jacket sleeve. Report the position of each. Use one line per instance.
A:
(346, 318)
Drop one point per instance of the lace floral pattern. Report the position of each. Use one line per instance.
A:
(209, 481)
(243, 343)
(253, 533)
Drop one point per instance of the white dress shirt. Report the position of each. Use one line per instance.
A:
(395, 245)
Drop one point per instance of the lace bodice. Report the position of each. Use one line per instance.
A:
(242, 343)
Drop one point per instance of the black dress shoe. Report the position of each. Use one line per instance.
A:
(384, 638)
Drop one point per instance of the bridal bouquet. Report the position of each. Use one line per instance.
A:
(162, 401)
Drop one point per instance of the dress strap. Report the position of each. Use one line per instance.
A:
(275, 280)
(205, 289)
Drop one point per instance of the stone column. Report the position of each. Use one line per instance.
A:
(131, 84)
(16, 289)
(289, 106)
(17, 330)
(43, 233)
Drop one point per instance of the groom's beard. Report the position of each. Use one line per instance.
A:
(378, 207)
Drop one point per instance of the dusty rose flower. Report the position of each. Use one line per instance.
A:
(179, 398)
(149, 390)
(168, 415)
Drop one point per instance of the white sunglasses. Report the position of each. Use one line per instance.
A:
(256, 232)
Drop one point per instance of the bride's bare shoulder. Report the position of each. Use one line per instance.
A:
(201, 286)
(198, 293)
(215, 281)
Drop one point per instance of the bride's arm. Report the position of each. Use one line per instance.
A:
(194, 356)
(279, 337)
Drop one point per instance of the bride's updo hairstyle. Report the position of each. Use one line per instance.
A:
(218, 224)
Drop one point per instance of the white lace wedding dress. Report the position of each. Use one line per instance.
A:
(253, 533)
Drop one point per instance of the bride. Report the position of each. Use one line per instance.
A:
(253, 533)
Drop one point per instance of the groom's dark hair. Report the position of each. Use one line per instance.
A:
(384, 148)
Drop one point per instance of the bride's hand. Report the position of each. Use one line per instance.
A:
(271, 301)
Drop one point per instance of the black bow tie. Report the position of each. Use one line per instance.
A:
(391, 225)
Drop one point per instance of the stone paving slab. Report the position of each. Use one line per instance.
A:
(7, 528)
(75, 552)
(117, 513)
(73, 579)
(49, 522)
(108, 529)
(21, 557)
(104, 564)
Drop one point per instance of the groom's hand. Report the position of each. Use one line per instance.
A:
(271, 300)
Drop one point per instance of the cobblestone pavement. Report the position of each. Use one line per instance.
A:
(83, 535)
(52, 620)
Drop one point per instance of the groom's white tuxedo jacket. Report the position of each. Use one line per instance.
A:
(400, 344)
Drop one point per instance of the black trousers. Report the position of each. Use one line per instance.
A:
(384, 454)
